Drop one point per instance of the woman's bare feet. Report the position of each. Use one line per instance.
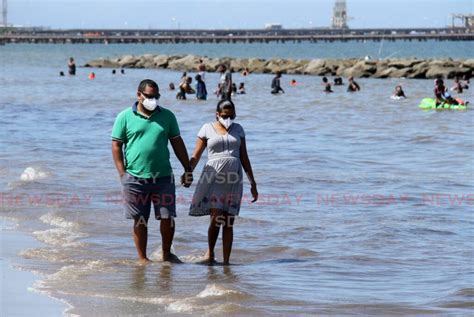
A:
(144, 261)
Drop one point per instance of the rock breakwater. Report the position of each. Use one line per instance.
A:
(386, 68)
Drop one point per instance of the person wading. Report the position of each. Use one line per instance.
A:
(140, 138)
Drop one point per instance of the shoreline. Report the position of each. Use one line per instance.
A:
(18, 298)
(360, 68)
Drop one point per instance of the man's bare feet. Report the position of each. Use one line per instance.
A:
(172, 258)
(144, 261)
(209, 259)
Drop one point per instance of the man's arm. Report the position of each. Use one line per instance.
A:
(182, 154)
(279, 86)
(117, 155)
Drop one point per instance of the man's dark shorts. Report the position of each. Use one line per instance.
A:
(140, 193)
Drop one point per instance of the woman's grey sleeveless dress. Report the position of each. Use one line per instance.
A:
(220, 185)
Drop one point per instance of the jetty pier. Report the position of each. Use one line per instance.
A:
(312, 35)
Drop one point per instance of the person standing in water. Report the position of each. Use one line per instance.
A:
(140, 137)
(276, 87)
(353, 85)
(219, 190)
(338, 81)
(185, 88)
(201, 91)
(225, 83)
(242, 89)
(458, 86)
(71, 67)
(439, 91)
(399, 93)
(327, 85)
(202, 70)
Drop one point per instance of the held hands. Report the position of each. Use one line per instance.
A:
(187, 179)
(254, 192)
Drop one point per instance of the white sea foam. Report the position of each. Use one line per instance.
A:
(226, 308)
(135, 299)
(75, 271)
(188, 305)
(63, 237)
(157, 254)
(211, 291)
(32, 174)
(182, 306)
(214, 290)
(57, 221)
(49, 254)
(193, 258)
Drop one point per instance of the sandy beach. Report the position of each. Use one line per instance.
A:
(16, 297)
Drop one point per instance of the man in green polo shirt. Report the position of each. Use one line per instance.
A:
(140, 151)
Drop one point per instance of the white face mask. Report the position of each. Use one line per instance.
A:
(226, 122)
(150, 104)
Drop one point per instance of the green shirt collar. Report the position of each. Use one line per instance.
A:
(135, 110)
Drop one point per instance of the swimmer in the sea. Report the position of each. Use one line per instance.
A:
(327, 85)
(353, 85)
(399, 93)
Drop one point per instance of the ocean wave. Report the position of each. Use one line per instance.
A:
(211, 292)
(214, 290)
(49, 254)
(31, 174)
(57, 221)
(68, 308)
(182, 306)
(75, 271)
(63, 237)
(468, 292)
(459, 304)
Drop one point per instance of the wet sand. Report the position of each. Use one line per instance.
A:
(16, 297)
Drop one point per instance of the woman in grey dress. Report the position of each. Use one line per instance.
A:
(219, 189)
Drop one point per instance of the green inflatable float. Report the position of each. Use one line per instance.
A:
(430, 103)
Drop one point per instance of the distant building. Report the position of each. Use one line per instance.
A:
(467, 20)
(4, 13)
(339, 16)
(273, 26)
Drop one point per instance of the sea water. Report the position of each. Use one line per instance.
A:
(365, 202)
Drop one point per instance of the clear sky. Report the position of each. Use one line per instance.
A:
(224, 14)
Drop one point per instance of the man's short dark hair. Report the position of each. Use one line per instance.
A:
(147, 83)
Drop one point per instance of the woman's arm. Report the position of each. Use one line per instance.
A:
(198, 149)
(244, 159)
